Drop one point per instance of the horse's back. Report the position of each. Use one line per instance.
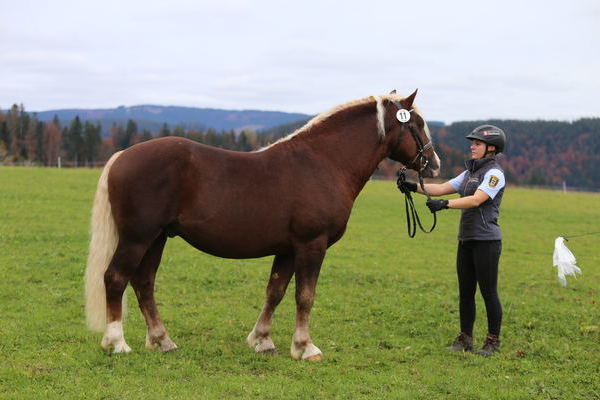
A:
(226, 203)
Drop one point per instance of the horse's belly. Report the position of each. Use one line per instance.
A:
(235, 242)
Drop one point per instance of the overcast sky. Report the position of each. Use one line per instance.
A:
(470, 59)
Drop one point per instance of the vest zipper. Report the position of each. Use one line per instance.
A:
(482, 218)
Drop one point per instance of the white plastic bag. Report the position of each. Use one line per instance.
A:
(564, 260)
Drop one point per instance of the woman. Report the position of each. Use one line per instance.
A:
(479, 238)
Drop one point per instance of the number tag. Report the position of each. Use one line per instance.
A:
(403, 115)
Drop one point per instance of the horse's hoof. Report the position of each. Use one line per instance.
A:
(270, 352)
(167, 347)
(316, 357)
(162, 343)
(262, 345)
(119, 348)
(169, 350)
(115, 347)
(122, 349)
(309, 353)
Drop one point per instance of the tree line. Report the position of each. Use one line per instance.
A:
(540, 153)
(26, 140)
(537, 152)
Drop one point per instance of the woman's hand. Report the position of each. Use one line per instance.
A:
(407, 187)
(437, 205)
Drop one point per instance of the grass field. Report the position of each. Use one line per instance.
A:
(386, 306)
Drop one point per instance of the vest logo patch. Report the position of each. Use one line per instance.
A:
(493, 182)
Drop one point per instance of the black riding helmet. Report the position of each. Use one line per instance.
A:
(489, 134)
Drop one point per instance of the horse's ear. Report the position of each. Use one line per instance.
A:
(393, 91)
(408, 102)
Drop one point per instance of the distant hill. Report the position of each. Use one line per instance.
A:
(152, 117)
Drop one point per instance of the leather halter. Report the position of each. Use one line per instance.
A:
(420, 154)
(421, 148)
(412, 218)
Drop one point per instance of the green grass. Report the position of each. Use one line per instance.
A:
(386, 307)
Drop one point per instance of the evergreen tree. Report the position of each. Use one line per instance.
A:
(25, 135)
(165, 131)
(117, 133)
(179, 131)
(146, 135)
(4, 139)
(13, 125)
(242, 143)
(92, 140)
(73, 141)
(130, 133)
(211, 137)
(39, 141)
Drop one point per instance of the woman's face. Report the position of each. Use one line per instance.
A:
(478, 149)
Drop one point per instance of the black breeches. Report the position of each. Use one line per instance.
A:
(477, 263)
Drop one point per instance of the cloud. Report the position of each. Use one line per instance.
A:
(469, 59)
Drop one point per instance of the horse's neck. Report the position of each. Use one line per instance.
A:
(351, 143)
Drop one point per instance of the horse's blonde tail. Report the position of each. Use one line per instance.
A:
(103, 243)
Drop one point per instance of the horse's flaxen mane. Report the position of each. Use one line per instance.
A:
(319, 119)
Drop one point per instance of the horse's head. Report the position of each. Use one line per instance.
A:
(407, 136)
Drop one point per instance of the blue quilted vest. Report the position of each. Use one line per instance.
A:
(479, 223)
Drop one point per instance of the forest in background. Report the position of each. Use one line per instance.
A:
(540, 153)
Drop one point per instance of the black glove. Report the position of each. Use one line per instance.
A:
(407, 187)
(437, 205)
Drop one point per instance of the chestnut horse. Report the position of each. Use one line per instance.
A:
(291, 200)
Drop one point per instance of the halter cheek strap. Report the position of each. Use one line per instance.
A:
(421, 151)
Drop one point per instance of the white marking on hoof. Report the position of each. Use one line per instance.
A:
(261, 345)
(114, 338)
(266, 345)
(312, 353)
(121, 347)
(309, 353)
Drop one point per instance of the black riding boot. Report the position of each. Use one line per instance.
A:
(463, 342)
(490, 346)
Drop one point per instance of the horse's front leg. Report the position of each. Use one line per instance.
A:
(281, 273)
(307, 265)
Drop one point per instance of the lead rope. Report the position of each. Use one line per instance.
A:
(583, 234)
(412, 218)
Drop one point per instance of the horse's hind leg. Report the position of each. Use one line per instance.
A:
(124, 262)
(281, 273)
(142, 282)
(307, 265)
